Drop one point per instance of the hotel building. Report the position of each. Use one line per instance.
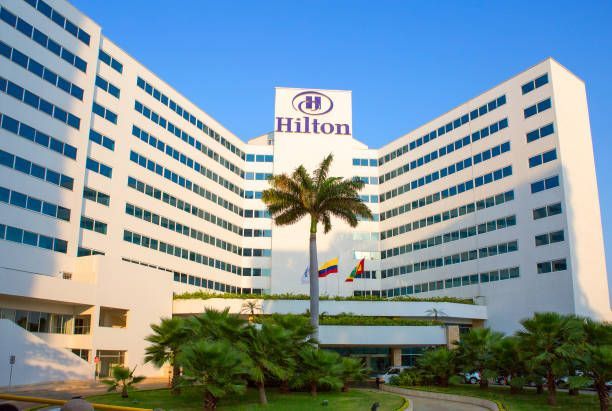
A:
(117, 192)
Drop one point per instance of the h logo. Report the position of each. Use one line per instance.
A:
(313, 103)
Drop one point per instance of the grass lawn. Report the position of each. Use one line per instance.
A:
(528, 400)
(191, 399)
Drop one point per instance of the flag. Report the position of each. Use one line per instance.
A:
(306, 275)
(328, 267)
(356, 271)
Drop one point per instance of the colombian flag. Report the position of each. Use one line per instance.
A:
(328, 267)
(356, 271)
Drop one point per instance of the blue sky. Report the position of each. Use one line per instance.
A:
(406, 62)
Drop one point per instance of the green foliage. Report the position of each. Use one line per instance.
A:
(352, 319)
(204, 295)
(352, 370)
(318, 368)
(437, 365)
(219, 368)
(475, 351)
(409, 378)
(595, 360)
(123, 379)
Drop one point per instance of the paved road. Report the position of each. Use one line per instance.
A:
(424, 404)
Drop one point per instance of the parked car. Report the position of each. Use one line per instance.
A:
(391, 372)
(502, 380)
(471, 377)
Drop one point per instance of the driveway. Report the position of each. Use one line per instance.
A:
(425, 404)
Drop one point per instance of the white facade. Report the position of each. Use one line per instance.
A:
(180, 210)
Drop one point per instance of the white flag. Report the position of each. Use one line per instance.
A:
(306, 276)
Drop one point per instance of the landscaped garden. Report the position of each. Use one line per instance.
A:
(191, 399)
(550, 350)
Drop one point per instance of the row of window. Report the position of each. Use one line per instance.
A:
(196, 280)
(42, 322)
(541, 132)
(54, 47)
(547, 211)
(180, 252)
(60, 20)
(104, 113)
(259, 158)
(110, 61)
(449, 214)
(447, 171)
(256, 214)
(187, 138)
(534, 84)
(256, 252)
(250, 195)
(457, 189)
(39, 103)
(365, 236)
(545, 184)
(367, 180)
(27, 202)
(41, 71)
(365, 162)
(185, 206)
(549, 238)
(368, 255)
(453, 125)
(483, 228)
(479, 253)
(102, 140)
(449, 148)
(537, 108)
(369, 198)
(88, 223)
(23, 130)
(177, 227)
(473, 279)
(18, 235)
(161, 97)
(86, 252)
(27, 167)
(98, 167)
(255, 232)
(257, 176)
(552, 266)
(96, 196)
(367, 274)
(542, 158)
(108, 87)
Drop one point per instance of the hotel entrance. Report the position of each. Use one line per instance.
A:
(377, 359)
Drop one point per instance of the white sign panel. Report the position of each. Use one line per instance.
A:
(311, 111)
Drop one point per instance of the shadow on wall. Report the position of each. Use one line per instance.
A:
(35, 360)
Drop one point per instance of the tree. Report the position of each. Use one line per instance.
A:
(550, 339)
(596, 358)
(250, 308)
(266, 348)
(217, 367)
(292, 197)
(318, 367)
(438, 365)
(510, 362)
(435, 313)
(217, 325)
(166, 341)
(122, 379)
(475, 352)
(352, 370)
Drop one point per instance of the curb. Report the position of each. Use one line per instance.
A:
(51, 401)
(490, 405)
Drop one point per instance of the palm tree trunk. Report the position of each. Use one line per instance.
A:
(284, 387)
(262, 393)
(602, 393)
(314, 279)
(210, 402)
(176, 372)
(552, 389)
(124, 391)
(484, 383)
(313, 389)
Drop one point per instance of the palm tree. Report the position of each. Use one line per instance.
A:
(122, 379)
(217, 367)
(250, 308)
(438, 364)
(596, 358)
(550, 339)
(510, 362)
(352, 370)
(217, 325)
(319, 367)
(267, 346)
(475, 352)
(319, 197)
(166, 341)
(435, 313)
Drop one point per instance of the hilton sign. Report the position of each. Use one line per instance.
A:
(313, 112)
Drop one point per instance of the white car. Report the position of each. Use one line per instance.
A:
(391, 372)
